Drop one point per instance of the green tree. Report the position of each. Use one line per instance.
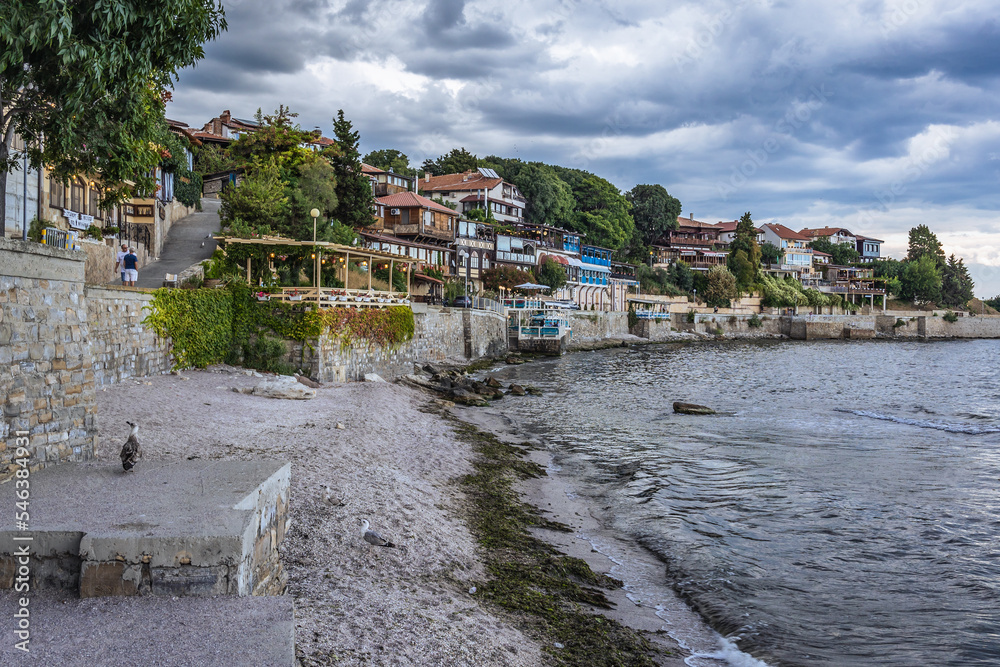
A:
(89, 76)
(887, 268)
(276, 139)
(550, 199)
(505, 276)
(314, 186)
(455, 162)
(212, 158)
(923, 243)
(681, 274)
(720, 287)
(994, 302)
(771, 253)
(257, 204)
(842, 254)
(920, 280)
(741, 267)
(389, 159)
(745, 240)
(355, 201)
(551, 273)
(601, 212)
(956, 283)
(654, 211)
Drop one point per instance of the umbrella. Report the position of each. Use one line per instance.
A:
(531, 286)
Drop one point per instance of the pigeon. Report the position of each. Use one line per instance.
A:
(372, 538)
(131, 450)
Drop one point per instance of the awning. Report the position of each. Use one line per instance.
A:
(573, 261)
(427, 279)
(557, 258)
(713, 254)
(596, 267)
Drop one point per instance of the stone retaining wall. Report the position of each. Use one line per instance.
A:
(46, 371)
(121, 346)
(440, 334)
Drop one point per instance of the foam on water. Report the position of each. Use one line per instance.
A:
(970, 429)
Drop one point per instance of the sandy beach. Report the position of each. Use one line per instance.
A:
(390, 463)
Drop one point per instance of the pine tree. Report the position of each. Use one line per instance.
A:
(956, 283)
(354, 191)
(923, 242)
(746, 240)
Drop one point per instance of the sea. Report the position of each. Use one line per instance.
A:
(841, 508)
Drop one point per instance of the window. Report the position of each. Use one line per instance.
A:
(76, 197)
(57, 193)
(486, 262)
(94, 196)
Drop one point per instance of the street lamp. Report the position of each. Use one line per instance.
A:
(315, 214)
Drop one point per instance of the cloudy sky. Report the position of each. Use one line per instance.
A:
(876, 116)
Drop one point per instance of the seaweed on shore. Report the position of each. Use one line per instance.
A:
(546, 590)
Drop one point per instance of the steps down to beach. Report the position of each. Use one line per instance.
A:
(185, 528)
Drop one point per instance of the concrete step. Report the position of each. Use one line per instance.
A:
(156, 630)
(200, 528)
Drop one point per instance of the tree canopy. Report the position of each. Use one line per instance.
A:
(924, 243)
(355, 200)
(843, 254)
(83, 83)
(746, 268)
(455, 162)
(389, 159)
(654, 211)
(551, 273)
(920, 280)
(956, 283)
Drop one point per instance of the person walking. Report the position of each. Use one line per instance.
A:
(131, 264)
(118, 261)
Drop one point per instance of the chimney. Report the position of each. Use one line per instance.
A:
(226, 116)
(427, 177)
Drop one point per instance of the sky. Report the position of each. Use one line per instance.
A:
(874, 116)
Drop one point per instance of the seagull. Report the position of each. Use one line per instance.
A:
(131, 450)
(372, 538)
(202, 244)
(329, 498)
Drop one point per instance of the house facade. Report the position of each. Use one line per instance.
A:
(798, 258)
(386, 183)
(694, 242)
(594, 291)
(482, 189)
(835, 234)
(870, 249)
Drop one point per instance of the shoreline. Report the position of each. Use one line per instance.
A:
(645, 602)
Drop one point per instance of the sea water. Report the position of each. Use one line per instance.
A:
(842, 508)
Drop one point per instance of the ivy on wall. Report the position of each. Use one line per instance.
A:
(209, 326)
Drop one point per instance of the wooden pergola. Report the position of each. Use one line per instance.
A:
(338, 254)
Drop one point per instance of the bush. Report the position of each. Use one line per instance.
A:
(690, 316)
(189, 192)
(900, 322)
(950, 317)
(35, 228)
(733, 320)
(754, 322)
(266, 354)
(633, 319)
(94, 232)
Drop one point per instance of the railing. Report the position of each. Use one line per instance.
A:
(652, 315)
(333, 297)
(523, 304)
(482, 303)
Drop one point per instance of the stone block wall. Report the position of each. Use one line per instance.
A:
(980, 326)
(121, 346)
(47, 382)
(102, 257)
(597, 325)
(440, 334)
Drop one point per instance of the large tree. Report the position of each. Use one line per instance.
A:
(924, 243)
(956, 283)
(83, 83)
(920, 280)
(389, 159)
(550, 199)
(458, 160)
(653, 210)
(355, 201)
(551, 273)
(745, 240)
(601, 212)
(720, 287)
(843, 254)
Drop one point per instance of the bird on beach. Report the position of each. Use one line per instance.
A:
(372, 538)
(330, 498)
(131, 450)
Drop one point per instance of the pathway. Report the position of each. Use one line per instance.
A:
(183, 245)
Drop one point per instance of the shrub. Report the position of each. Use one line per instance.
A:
(690, 316)
(94, 232)
(35, 228)
(733, 320)
(950, 317)
(900, 322)
(754, 322)
(633, 319)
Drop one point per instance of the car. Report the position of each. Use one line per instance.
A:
(461, 302)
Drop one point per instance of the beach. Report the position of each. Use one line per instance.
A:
(388, 458)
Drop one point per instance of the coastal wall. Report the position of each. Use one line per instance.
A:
(440, 334)
(980, 326)
(121, 346)
(46, 372)
(596, 325)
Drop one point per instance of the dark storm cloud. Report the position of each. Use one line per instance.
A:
(797, 111)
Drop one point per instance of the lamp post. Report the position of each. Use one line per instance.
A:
(315, 215)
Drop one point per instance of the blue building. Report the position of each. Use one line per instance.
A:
(870, 249)
(595, 274)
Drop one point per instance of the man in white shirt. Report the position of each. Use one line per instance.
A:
(119, 266)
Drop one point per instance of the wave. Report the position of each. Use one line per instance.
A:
(970, 429)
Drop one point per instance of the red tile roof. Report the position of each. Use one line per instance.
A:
(786, 233)
(324, 141)
(208, 136)
(824, 232)
(470, 180)
(727, 226)
(368, 169)
(691, 222)
(409, 200)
